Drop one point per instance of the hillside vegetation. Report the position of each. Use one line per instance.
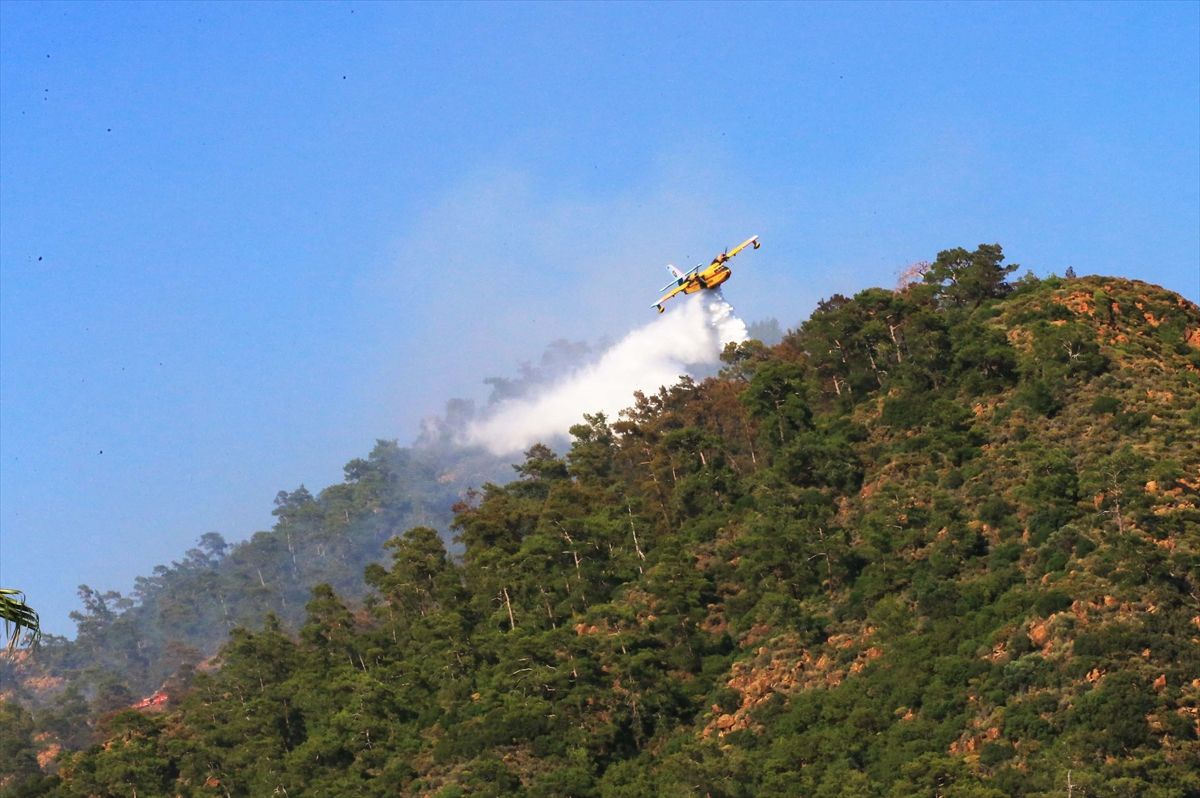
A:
(939, 541)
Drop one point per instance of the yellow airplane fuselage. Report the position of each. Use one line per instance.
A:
(710, 277)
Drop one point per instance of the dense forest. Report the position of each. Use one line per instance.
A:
(938, 541)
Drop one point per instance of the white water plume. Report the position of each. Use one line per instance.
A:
(656, 354)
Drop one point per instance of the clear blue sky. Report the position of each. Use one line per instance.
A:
(239, 242)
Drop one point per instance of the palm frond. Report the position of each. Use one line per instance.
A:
(18, 615)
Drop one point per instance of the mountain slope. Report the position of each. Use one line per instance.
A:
(943, 540)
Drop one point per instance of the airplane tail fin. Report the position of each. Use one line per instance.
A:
(678, 275)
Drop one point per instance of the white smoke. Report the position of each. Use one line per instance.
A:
(654, 355)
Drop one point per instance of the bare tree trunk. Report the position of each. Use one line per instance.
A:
(633, 529)
(512, 622)
(546, 603)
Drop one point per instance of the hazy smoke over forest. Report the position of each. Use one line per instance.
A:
(692, 333)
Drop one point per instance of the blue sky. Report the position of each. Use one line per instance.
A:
(239, 242)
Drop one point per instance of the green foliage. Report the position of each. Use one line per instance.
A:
(1113, 716)
(970, 278)
(1040, 398)
(903, 553)
(191, 605)
(1051, 602)
(19, 770)
(777, 394)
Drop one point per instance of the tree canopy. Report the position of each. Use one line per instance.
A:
(936, 541)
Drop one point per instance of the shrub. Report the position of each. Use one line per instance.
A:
(995, 511)
(1039, 398)
(1052, 602)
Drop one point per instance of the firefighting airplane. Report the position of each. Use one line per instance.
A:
(702, 276)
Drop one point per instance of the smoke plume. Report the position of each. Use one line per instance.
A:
(691, 334)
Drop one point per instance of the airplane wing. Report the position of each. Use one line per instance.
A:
(677, 289)
(753, 240)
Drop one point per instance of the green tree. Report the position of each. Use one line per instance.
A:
(777, 394)
(967, 279)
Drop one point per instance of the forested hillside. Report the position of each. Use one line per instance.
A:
(127, 645)
(939, 541)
